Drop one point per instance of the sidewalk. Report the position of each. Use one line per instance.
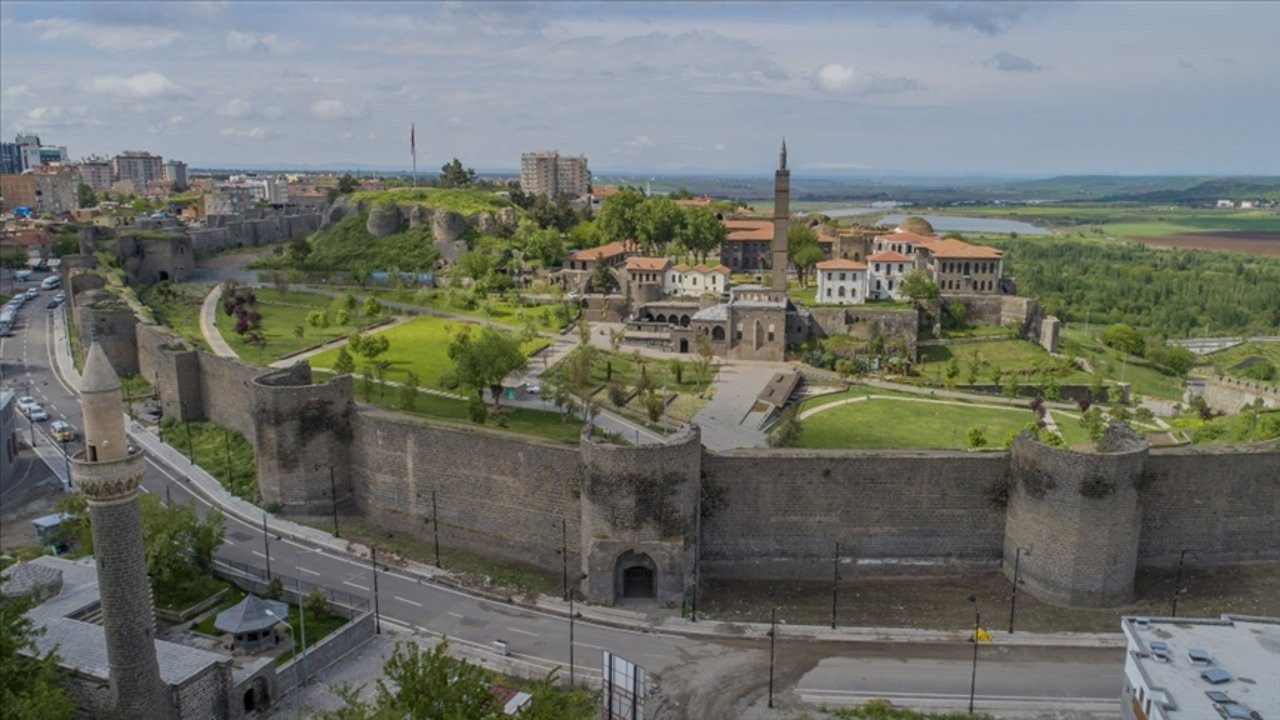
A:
(208, 329)
(210, 489)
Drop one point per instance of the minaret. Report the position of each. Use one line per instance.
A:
(781, 211)
(109, 474)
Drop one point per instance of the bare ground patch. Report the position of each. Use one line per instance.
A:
(1244, 241)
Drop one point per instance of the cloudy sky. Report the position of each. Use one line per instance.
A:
(921, 87)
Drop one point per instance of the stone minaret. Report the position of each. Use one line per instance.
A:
(781, 212)
(109, 474)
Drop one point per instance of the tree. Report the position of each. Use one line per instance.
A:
(419, 683)
(176, 541)
(546, 246)
(345, 301)
(347, 184)
(657, 221)
(917, 286)
(473, 264)
(602, 279)
(802, 241)
(371, 308)
(368, 347)
(952, 371)
(482, 361)
(453, 175)
(299, 248)
(617, 394)
(316, 602)
(1124, 338)
(318, 319)
(700, 232)
(618, 216)
(85, 197)
(787, 431)
(342, 317)
(29, 682)
(977, 438)
(676, 367)
(409, 392)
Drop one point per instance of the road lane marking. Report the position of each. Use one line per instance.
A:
(255, 552)
(454, 614)
(354, 585)
(405, 600)
(523, 632)
(306, 570)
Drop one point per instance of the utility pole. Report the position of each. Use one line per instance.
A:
(377, 619)
(266, 545)
(435, 526)
(1177, 584)
(973, 676)
(186, 422)
(333, 494)
(564, 554)
(773, 637)
(1013, 598)
(231, 473)
(835, 585)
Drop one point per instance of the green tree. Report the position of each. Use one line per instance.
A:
(619, 216)
(342, 317)
(787, 431)
(29, 682)
(917, 286)
(345, 301)
(344, 364)
(473, 264)
(977, 438)
(368, 347)
(371, 308)
(299, 248)
(347, 184)
(419, 683)
(316, 602)
(617, 394)
(546, 246)
(409, 392)
(318, 319)
(700, 232)
(952, 371)
(453, 175)
(602, 279)
(676, 367)
(802, 242)
(85, 197)
(657, 221)
(1124, 338)
(176, 541)
(483, 360)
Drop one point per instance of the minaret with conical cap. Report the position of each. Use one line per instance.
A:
(109, 474)
(781, 213)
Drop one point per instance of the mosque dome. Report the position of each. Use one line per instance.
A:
(917, 225)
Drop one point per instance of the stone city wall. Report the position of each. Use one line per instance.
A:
(778, 514)
(1228, 394)
(227, 393)
(497, 494)
(204, 695)
(246, 233)
(863, 321)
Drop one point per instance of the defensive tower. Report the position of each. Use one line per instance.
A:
(108, 472)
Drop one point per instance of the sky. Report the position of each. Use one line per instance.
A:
(999, 88)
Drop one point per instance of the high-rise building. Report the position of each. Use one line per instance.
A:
(175, 173)
(96, 173)
(109, 472)
(138, 167)
(45, 190)
(10, 159)
(546, 172)
(29, 148)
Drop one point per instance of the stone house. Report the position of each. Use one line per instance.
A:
(841, 282)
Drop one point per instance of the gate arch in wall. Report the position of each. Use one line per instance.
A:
(635, 577)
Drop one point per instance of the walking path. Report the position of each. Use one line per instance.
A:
(209, 329)
(814, 410)
(201, 482)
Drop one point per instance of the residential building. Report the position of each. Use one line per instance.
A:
(96, 173)
(746, 245)
(612, 254)
(227, 199)
(29, 149)
(841, 282)
(697, 280)
(547, 172)
(960, 268)
(45, 190)
(175, 173)
(1226, 204)
(885, 271)
(10, 159)
(1177, 668)
(270, 189)
(138, 167)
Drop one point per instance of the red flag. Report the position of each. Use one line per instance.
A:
(413, 145)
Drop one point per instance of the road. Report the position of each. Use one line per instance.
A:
(699, 676)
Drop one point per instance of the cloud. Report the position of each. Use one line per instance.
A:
(634, 146)
(333, 110)
(248, 42)
(456, 123)
(272, 112)
(988, 18)
(235, 108)
(143, 85)
(1008, 62)
(105, 37)
(17, 91)
(837, 79)
(252, 133)
(1188, 65)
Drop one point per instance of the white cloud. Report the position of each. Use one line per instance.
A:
(248, 42)
(456, 123)
(272, 112)
(634, 146)
(105, 37)
(718, 147)
(837, 79)
(235, 108)
(252, 133)
(150, 84)
(1008, 62)
(333, 110)
(16, 91)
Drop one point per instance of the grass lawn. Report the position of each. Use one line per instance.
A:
(524, 421)
(420, 346)
(1235, 428)
(220, 451)
(895, 423)
(852, 392)
(459, 200)
(623, 368)
(1224, 359)
(1144, 379)
(178, 309)
(281, 314)
(182, 595)
(494, 307)
(1073, 433)
(1009, 355)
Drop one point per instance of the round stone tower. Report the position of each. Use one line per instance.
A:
(108, 473)
(1076, 517)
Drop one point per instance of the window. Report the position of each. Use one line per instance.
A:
(840, 291)
(828, 292)
(842, 277)
(877, 267)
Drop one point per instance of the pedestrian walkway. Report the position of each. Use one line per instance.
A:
(726, 420)
(209, 329)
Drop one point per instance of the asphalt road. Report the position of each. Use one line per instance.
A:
(719, 676)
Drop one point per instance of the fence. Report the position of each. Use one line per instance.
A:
(255, 580)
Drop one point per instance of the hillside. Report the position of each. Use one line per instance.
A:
(1209, 192)
(456, 200)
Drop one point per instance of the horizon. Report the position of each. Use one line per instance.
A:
(999, 90)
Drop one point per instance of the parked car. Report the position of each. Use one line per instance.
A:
(38, 414)
(60, 296)
(26, 402)
(533, 388)
(32, 292)
(52, 304)
(62, 431)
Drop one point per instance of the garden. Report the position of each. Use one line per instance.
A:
(258, 321)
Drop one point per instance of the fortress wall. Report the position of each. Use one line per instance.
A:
(778, 514)
(227, 393)
(1229, 395)
(113, 329)
(173, 369)
(498, 495)
(303, 439)
(1221, 506)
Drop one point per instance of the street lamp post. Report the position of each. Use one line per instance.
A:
(572, 615)
(186, 423)
(231, 473)
(773, 638)
(297, 686)
(377, 619)
(835, 585)
(266, 545)
(973, 676)
(1177, 584)
(1013, 598)
(333, 495)
(435, 527)
(564, 555)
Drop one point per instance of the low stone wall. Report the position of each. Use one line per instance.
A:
(1228, 395)
(330, 649)
(864, 321)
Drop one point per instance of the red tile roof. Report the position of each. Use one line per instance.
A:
(841, 264)
(749, 230)
(610, 250)
(647, 263)
(961, 249)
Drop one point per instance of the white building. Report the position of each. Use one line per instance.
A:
(841, 282)
(1201, 669)
(884, 276)
(696, 280)
(1226, 204)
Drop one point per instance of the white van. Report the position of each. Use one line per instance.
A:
(51, 282)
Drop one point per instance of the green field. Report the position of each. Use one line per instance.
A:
(1124, 220)
(542, 316)
(1223, 360)
(458, 200)
(883, 423)
(1018, 356)
(1114, 365)
(220, 451)
(623, 368)
(177, 306)
(420, 346)
(281, 314)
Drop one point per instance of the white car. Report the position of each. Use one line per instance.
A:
(60, 297)
(32, 292)
(26, 402)
(38, 414)
(533, 388)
